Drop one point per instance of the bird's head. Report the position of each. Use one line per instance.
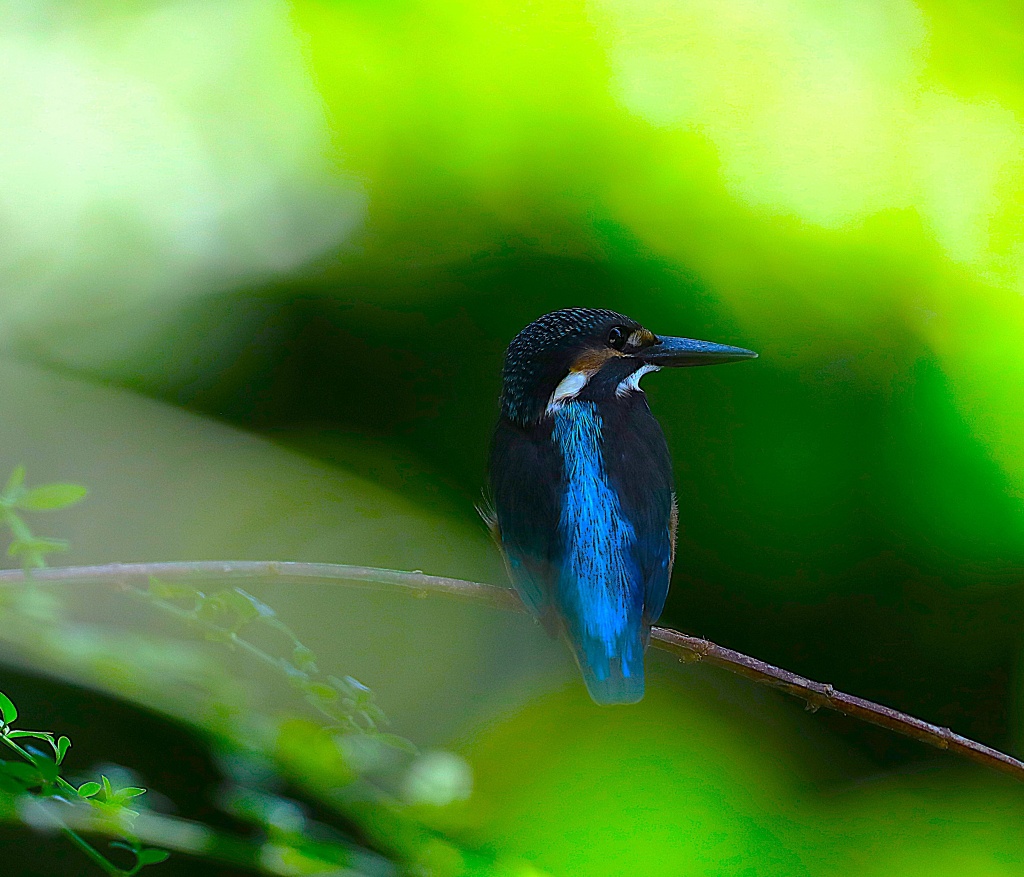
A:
(590, 354)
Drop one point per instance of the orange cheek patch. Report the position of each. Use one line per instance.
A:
(591, 361)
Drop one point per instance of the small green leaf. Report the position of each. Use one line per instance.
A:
(129, 792)
(320, 691)
(87, 790)
(232, 609)
(170, 591)
(39, 735)
(62, 747)
(50, 496)
(304, 659)
(15, 481)
(36, 546)
(153, 857)
(8, 710)
(108, 792)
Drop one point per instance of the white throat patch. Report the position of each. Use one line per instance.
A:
(570, 387)
(632, 383)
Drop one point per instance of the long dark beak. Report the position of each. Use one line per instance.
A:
(688, 351)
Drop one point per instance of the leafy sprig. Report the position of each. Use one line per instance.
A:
(17, 499)
(35, 774)
(226, 615)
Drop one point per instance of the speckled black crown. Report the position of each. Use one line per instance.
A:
(539, 356)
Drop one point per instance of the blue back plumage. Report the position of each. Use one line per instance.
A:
(601, 586)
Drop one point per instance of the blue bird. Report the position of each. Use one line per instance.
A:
(584, 508)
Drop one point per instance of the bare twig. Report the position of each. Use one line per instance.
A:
(818, 694)
(689, 648)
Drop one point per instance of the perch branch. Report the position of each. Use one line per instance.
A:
(688, 648)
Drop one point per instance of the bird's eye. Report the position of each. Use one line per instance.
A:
(617, 337)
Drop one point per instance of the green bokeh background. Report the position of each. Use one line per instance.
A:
(258, 267)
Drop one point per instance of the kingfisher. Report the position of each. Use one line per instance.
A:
(583, 504)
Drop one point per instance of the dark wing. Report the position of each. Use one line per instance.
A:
(642, 476)
(526, 485)
(657, 556)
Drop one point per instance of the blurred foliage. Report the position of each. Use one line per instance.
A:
(321, 221)
(31, 783)
(377, 783)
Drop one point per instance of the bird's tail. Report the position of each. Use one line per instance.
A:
(615, 679)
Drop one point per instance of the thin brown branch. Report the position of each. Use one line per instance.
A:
(689, 648)
(819, 694)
